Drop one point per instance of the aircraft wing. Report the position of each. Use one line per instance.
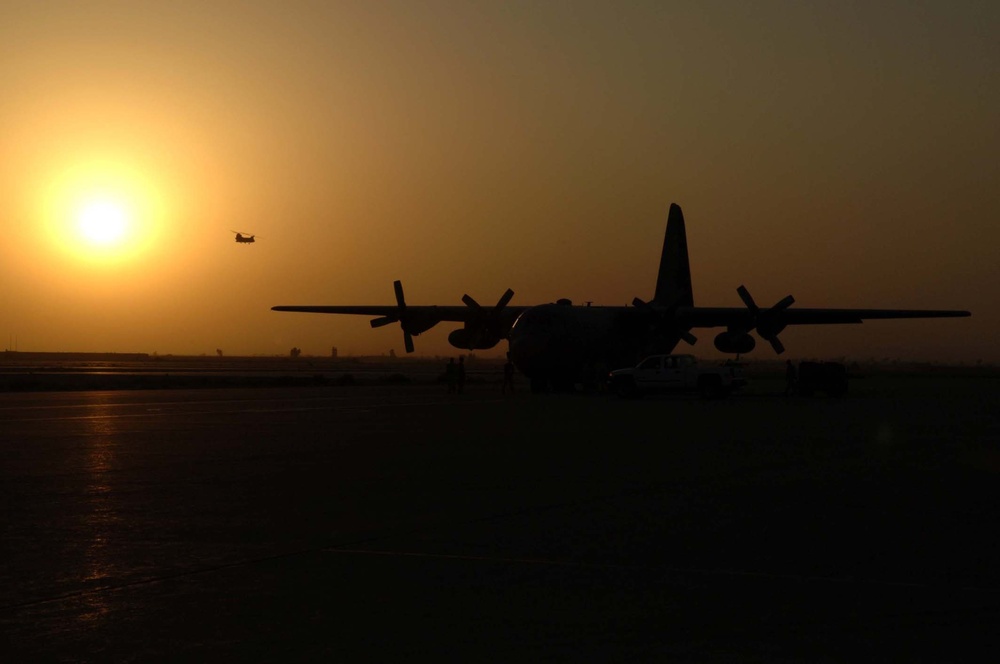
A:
(457, 314)
(770, 322)
(484, 326)
(736, 316)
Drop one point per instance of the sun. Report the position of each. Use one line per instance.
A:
(103, 223)
(102, 214)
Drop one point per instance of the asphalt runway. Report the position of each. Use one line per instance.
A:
(393, 522)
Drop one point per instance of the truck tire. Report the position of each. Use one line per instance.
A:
(627, 389)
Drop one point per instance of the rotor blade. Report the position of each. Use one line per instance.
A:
(776, 344)
(504, 299)
(786, 302)
(408, 341)
(747, 300)
(398, 287)
(384, 320)
(469, 302)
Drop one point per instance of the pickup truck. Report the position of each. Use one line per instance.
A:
(661, 373)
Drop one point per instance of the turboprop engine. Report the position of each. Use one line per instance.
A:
(734, 342)
(472, 339)
(486, 327)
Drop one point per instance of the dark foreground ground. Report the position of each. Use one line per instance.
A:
(391, 522)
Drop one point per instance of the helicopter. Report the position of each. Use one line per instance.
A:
(243, 238)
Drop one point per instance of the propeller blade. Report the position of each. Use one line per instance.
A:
(776, 344)
(398, 287)
(747, 299)
(407, 341)
(786, 302)
(384, 320)
(504, 299)
(469, 302)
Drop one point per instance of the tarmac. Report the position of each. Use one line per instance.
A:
(387, 522)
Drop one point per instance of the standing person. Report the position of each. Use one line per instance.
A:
(460, 374)
(508, 376)
(602, 376)
(791, 377)
(451, 374)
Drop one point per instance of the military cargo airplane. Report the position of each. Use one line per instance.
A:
(557, 345)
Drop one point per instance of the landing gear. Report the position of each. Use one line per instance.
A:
(545, 385)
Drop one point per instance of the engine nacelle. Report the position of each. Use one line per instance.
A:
(734, 342)
(472, 339)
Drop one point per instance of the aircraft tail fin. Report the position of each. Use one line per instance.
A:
(673, 283)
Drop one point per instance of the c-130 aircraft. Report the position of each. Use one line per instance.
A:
(557, 345)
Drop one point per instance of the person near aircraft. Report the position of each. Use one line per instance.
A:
(451, 374)
(508, 376)
(791, 377)
(601, 371)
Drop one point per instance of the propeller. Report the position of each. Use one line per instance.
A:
(767, 322)
(398, 317)
(684, 334)
(490, 321)
(494, 314)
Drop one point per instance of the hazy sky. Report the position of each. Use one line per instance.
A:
(843, 152)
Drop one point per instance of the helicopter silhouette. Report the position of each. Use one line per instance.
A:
(244, 238)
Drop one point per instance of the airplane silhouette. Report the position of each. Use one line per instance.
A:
(243, 238)
(560, 344)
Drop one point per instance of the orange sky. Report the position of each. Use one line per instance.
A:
(843, 153)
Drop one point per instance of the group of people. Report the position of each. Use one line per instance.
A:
(454, 373)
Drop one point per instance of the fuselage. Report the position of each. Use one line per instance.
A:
(563, 344)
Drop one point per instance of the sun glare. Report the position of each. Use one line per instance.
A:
(103, 213)
(102, 222)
